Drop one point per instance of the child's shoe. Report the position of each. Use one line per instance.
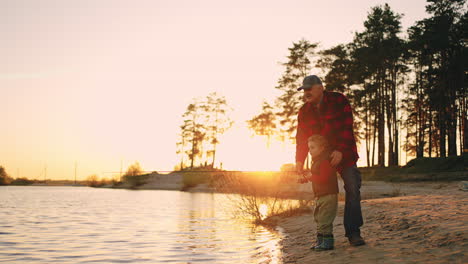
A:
(319, 241)
(328, 243)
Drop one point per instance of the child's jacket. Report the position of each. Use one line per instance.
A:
(324, 178)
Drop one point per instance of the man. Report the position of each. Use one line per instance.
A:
(329, 114)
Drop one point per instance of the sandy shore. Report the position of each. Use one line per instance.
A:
(428, 224)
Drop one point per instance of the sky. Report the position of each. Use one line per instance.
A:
(104, 83)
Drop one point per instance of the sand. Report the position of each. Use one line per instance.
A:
(427, 224)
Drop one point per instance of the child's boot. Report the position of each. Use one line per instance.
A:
(319, 240)
(328, 243)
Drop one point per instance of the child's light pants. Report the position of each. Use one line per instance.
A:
(325, 212)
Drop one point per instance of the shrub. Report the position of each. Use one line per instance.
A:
(93, 181)
(4, 178)
(22, 181)
(259, 195)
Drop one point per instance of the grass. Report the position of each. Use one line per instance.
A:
(420, 169)
(192, 179)
(429, 165)
(135, 180)
(198, 175)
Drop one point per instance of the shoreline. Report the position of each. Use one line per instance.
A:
(427, 224)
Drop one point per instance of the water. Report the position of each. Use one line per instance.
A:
(88, 225)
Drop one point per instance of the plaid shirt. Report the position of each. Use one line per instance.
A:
(334, 121)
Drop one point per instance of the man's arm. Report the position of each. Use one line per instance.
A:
(344, 140)
(302, 148)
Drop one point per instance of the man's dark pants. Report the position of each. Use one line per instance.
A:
(352, 213)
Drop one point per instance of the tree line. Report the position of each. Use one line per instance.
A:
(204, 121)
(416, 83)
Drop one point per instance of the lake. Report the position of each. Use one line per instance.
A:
(42, 224)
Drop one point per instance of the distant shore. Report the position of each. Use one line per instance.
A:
(371, 188)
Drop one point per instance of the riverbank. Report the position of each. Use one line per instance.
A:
(370, 189)
(428, 223)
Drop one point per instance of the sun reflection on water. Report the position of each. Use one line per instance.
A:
(263, 210)
(271, 250)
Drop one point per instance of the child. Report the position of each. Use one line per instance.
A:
(325, 186)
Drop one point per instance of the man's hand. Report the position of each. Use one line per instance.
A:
(300, 168)
(302, 177)
(336, 158)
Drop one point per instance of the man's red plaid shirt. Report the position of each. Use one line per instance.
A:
(334, 121)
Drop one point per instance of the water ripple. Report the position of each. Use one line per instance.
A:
(86, 225)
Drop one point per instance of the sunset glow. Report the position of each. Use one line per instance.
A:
(104, 84)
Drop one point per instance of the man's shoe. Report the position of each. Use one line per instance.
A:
(356, 240)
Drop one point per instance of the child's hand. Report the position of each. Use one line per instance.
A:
(302, 180)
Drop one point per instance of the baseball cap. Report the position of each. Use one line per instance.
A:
(309, 81)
